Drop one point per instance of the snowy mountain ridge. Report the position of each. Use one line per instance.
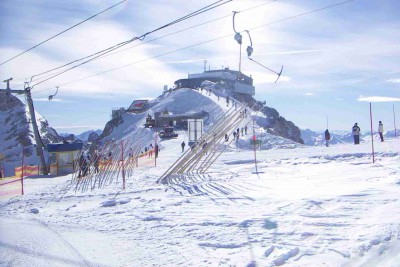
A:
(187, 101)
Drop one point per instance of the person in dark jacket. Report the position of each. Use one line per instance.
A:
(356, 133)
(96, 161)
(156, 149)
(327, 137)
(82, 166)
(183, 146)
(380, 130)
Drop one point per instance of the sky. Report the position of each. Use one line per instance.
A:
(335, 61)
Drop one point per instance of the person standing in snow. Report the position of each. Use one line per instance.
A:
(96, 161)
(380, 130)
(82, 165)
(327, 137)
(245, 130)
(150, 150)
(183, 146)
(356, 133)
(156, 149)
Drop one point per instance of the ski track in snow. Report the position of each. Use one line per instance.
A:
(307, 206)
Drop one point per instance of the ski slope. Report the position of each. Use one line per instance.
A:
(306, 206)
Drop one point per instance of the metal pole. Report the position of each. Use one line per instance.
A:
(22, 173)
(372, 134)
(240, 61)
(155, 148)
(39, 144)
(327, 122)
(255, 150)
(123, 169)
(394, 121)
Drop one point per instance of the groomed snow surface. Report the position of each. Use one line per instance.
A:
(306, 206)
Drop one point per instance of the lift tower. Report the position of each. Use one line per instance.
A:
(39, 143)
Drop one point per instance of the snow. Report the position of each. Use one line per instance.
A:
(306, 206)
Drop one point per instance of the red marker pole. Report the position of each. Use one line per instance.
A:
(255, 149)
(22, 173)
(155, 148)
(394, 121)
(123, 168)
(372, 134)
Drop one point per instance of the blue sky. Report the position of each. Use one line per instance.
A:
(335, 61)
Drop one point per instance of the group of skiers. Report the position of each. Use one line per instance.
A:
(356, 133)
(150, 149)
(85, 161)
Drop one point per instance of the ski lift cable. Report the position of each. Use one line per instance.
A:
(54, 36)
(115, 47)
(154, 39)
(195, 26)
(277, 73)
(250, 51)
(200, 11)
(198, 44)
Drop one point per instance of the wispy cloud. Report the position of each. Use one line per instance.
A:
(309, 94)
(378, 99)
(291, 52)
(394, 80)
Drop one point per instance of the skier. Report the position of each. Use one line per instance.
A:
(183, 146)
(227, 100)
(380, 130)
(226, 138)
(234, 135)
(156, 149)
(245, 130)
(96, 161)
(241, 130)
(327, 137)
(204, 146)
(356, 133)
(82, 166)
(150, 150)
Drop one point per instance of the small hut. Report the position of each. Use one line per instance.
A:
(63, 157)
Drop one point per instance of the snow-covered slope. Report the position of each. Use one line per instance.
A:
(190, 101)
(16, 132)
(306, 206)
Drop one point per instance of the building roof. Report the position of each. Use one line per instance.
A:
(64, 147)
